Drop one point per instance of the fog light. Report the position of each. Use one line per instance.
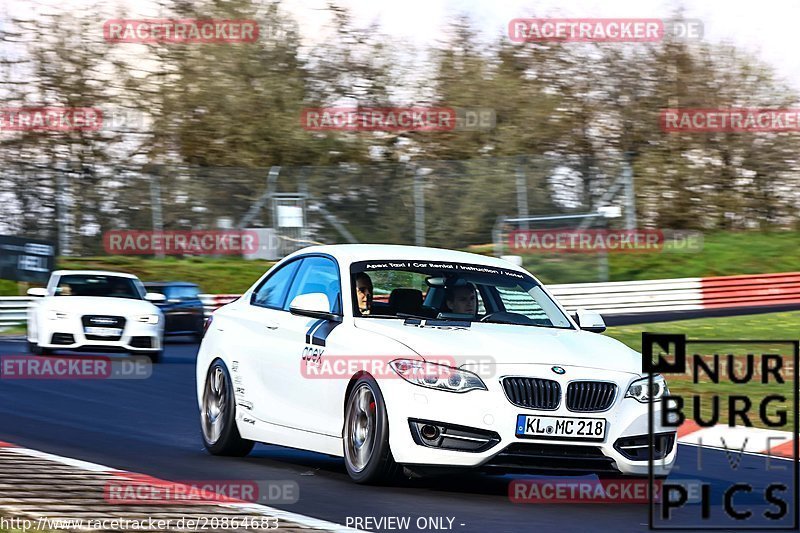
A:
(429, 432)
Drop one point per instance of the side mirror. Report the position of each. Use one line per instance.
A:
(590, 321)
(38, 291)
(155, 297)
(315, 305)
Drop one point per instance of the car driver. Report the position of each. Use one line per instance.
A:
(364, 292)
(462, 299)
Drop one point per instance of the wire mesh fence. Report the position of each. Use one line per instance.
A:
(448, 204)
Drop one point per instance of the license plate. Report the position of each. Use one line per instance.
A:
(102, 332)
(561, 427)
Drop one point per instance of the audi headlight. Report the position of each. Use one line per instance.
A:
(640, 389)
(148, 319)
(435, 376)
(55, 315)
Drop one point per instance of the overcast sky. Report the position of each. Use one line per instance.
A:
(767, 28)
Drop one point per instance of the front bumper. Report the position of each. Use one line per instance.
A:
(490, 411)
(68, 334)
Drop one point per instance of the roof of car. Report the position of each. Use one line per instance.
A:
(375, 252)
(93, 273)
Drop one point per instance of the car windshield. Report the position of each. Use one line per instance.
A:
(447, 291)
(160, 289)
(98, 285)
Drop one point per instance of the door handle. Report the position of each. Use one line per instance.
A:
(271, 325)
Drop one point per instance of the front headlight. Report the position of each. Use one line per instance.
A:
(640, 391)
(435, 376)
(55, 315)
(148, 319)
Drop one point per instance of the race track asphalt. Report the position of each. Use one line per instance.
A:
(151, 426)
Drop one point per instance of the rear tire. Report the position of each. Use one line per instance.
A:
(367, 455)
(218, 415)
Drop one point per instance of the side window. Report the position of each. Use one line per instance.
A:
(157, 289)
(272, 292)
(481, 305)
(186, 292)
(518, 300)
(317, 274)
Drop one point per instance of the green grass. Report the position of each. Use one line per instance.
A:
(773, 326)
(8, 288)
(722, 254)
(214, 275)
(777, 326)
(13, 330)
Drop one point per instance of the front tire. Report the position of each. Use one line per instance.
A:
(155, 357)
(35, 349)
(218, 415)
(367, 455)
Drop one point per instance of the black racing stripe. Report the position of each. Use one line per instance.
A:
(314, 326)
(321, 334)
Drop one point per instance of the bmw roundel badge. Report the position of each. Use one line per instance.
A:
(558, 370)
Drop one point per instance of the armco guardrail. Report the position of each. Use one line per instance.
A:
(14, 310)
(630, 302)
(661, 297)
(211, 302)
(632, 297)
(766, 289)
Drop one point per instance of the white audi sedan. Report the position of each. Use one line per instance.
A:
(422, 360)
(91, 310)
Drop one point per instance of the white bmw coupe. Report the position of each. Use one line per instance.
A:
(93, 310)
(424, 360)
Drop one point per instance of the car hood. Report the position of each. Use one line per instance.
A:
(509, 344)
(97, 305)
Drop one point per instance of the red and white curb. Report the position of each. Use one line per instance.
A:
(739, 439)
(237, 505)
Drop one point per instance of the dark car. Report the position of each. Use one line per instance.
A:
(183, 310)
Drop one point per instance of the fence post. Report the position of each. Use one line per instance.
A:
(630, 198)
(522, 196)
(155, 208)
(419, 208)
(62, 214)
